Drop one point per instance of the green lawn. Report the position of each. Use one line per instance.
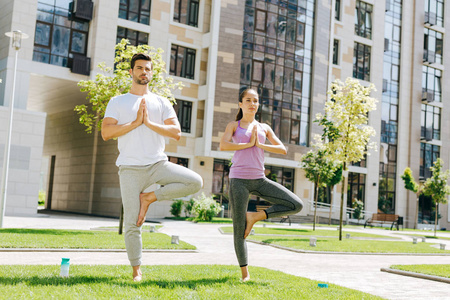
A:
(192, 219)
(436, 270)
(309, 232)
(84, 239)
(426, 235)
(162, 282)
(348, 245)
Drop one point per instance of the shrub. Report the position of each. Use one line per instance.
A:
(176, 206)
(205, 208)
(358, 206)
(188, 206)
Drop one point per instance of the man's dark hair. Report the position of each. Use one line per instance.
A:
(140, 56)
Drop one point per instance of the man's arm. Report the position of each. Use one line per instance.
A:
(171, 127)
(111, 130)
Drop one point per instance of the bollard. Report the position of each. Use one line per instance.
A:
(348, 218)
(442, 246)
(152, 229)
(252, 232)
(264, 225)
(222, 213)
(347, 235)
(312, 241)
(423, 240)
(414, 240)
(175, 239)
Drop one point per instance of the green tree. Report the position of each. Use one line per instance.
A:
(436, 187)
(111, 82)
(413, 186)
(319, 169)
(345, 125)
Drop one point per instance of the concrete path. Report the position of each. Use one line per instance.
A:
(360, 272)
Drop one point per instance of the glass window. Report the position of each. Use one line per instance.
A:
(179, 161)
(335, 52)
(276, 58)
(430, 122)
(337, 10)
(57, 36)
(356, 188)
(361, 62)
(433, 46)
(363, 19)
(184, 114)
(135, 10)
(434, 12)
(186, 12)
(428, 155)
(431, 82)
(135, 37)
(182, 61)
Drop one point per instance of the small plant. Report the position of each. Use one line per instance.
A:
(41, 201)
(176, 207)
(205, 208)
(358, 206)
(188, 206)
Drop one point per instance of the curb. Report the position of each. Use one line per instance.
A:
(417, 275)
(347, 253)
(92, 250)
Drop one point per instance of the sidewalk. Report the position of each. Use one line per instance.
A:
(360, 272)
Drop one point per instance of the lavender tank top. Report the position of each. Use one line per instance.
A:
(248, 163)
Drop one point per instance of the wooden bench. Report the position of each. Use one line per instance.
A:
(383, 218)
(283, 218)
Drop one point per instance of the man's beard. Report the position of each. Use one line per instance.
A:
(141, 81)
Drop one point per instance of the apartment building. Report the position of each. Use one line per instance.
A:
(289, 50)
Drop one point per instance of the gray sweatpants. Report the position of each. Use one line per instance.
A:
(177, 181)
(284, 203)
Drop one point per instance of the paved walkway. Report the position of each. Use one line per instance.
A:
(360, 272)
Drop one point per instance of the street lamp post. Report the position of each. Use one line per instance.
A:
(17, 37)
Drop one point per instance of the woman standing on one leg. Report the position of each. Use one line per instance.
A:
(247, 137)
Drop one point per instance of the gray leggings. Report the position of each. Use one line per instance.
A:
(177, 182)
(285, 203)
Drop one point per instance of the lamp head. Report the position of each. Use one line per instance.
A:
(17, 37)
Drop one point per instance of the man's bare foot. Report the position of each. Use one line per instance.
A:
(137, 273)
(146, 199)
(252, 218)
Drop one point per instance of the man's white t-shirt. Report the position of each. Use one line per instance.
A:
(141, 146)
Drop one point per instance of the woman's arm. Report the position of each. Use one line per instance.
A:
(276, 146)
(226, 143)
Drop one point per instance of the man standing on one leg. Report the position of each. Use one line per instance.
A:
(140, 120)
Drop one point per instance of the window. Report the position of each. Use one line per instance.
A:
(363, 19)
(276, 58)
(386, 188)
(284, 176)
(186, 12)
(431, 82)
(184, 114)
(179, 161)
(433, 44)
(135, 37)
(221, 170)
(356, 188)
(428, 155)
(57, 37)
(337, 10)
(335, 52)
(135, 10)
(430, 122)
(434, 12)
(182, 62)
(361, 62)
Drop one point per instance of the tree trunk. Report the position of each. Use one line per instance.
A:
(344, 168)
(316, 197)
(121, 220)
(331, 205)
(416, 218)
(435, 219)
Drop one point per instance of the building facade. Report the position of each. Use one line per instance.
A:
(290, 51)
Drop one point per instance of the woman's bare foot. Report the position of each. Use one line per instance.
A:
(146, 199)
(137, 273)
(252, 218)
(245, 274)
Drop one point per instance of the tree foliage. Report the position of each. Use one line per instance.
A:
(410, 183)
(436, 186)
(111, 82)
(346, 132)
